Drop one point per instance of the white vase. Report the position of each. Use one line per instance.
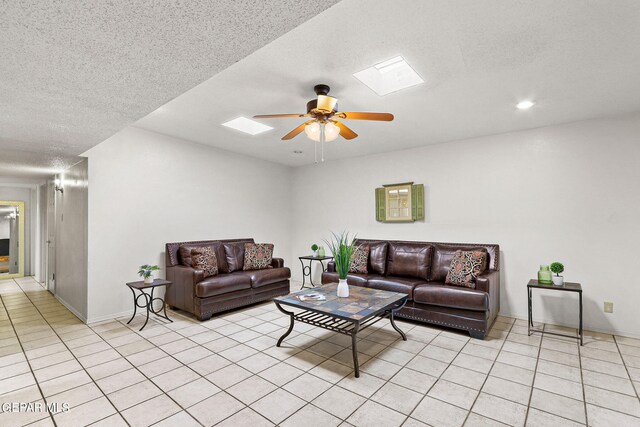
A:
(558, 280)
(148, 280)
(343, 288)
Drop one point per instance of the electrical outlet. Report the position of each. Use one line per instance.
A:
(608, 307)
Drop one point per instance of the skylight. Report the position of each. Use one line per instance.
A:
(389, 76)
(247, 126)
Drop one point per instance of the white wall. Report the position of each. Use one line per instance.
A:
(71, 239)
(567, 193)
(148, 189)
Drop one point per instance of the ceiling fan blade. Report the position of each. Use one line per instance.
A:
(345, 132)
(274, 116)
(385, 117)
(296, 131)
(326, 102)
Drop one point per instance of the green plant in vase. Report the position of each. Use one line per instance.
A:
(146, 272)
(557, 268)
(342, 248)
(314, 248)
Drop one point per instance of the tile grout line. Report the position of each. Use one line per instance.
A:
(76, 359)
(487, 377)
(24, 353)
(633, 383)
(535, 372)
(584, 393)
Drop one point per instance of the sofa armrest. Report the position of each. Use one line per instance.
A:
(489, 282)
(331, 266)
(277, 262)
(181, 292)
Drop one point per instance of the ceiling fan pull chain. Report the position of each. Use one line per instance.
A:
(315, 152)
(322, 142)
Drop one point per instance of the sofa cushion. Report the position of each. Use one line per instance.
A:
(355, 279)
(257, 256)
(222, 284)
(184, 255)
(377, 256)
(442, 256)
(359, 259)
(437, 293)
(409, 259)
(234, 253)
(205, 259)
(404, 285)
(466, 266)
(267, 276)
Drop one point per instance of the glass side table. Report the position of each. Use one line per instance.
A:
(306, 269)
(567, 287)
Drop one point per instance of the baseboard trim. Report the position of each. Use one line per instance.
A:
(109, 317)
(71, 309)
(588, 328)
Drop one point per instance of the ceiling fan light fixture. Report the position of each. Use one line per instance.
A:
(389, 76)
(331, 131)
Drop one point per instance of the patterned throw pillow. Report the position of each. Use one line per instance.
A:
(257, 256)
(466, 266)
(360, 259)
(205, 259)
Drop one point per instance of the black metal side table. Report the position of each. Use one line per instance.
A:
(306, 269)
(567, 287)
(148, 299)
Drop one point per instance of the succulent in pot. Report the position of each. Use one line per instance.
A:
(314, 248)
(146, 272)
(557, 268)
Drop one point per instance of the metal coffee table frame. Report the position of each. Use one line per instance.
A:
(341, 324)
(148, 299)
(567, 287)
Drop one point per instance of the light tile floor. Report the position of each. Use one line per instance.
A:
(228, 371)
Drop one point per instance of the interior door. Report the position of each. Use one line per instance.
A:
(51, 237)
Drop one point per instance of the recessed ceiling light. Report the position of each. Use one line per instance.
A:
(247, 126)
(389, 76)
(525, 105)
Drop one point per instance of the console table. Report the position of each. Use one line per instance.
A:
(567, 287)
(306, 269)
(148, 299)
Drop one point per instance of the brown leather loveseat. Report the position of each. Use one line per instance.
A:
(232, 287)
(419, 269)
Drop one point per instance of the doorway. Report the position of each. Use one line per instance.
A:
(51, 238)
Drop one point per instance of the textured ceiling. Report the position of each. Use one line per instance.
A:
(576, 59)
(74, 73)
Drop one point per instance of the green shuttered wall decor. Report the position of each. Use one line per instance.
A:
(417, 203)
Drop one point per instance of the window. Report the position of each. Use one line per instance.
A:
(400, 202)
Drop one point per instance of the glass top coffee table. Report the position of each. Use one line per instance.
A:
(363, 308)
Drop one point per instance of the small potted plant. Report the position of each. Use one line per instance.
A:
(342, 248)
(146, 272)
(314, 248)
(557, 267)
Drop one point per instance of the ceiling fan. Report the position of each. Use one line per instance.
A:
(323, 126)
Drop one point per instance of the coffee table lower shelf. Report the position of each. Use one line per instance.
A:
(348, 327)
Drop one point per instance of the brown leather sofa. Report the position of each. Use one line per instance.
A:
(419, 269)
(230, 288)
